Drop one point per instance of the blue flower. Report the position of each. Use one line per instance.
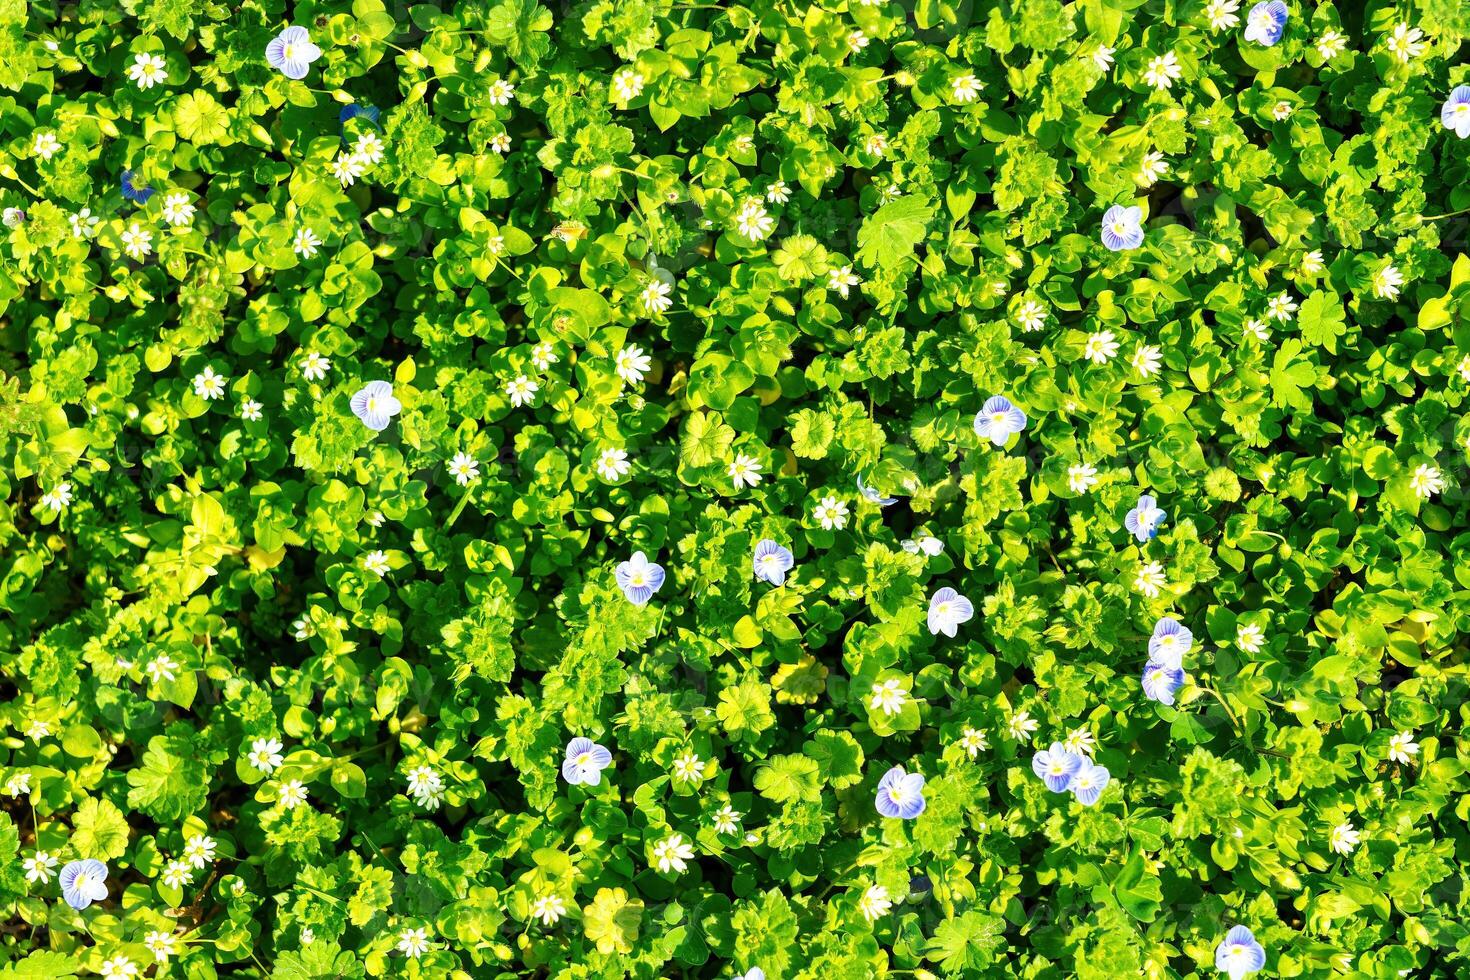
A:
(1170, 643)
(1089, 782)
(1144, 519)
(1122, 228)
(291, 52)
(947, 610)
(355, 111)
(584, 762)
(375, 405)
(1239, 954)
(772, 562)
(131, 191)
(83, 882)
(874, 495)
(1455, 113)
(639, 578)
(1056, 767)
(754, 973)
(1161, 681)
(900, 794)
(999, 420)
(1266, 23)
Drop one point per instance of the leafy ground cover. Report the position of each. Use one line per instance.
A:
(773, 490)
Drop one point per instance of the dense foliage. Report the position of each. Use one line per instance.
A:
(684, 489)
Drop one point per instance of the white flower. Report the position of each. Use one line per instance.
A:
(1344, 838)
(314, 366)
(161, 944)
(18, 785)
(549, 909)
(1426, 481)
(1281, 307)
(348, 167)
(543, 355)
(376, 562)
(1100, 347)
(208, 385)
(612, 464)
(655, 296)
(1221, 14)
(376, 518)
(1281, 110)
(726, 820)
(162, 667)
(1402, 747)
(1257, 329)
(292, 794)
(1081, 477)
(1080, 741)
(856, 41)
(688, 768)
(521, 391)
(1250, 638)
(627, 85)
(305, 243)
(58, 498)
(177, 874)
(1331, 44)
(426, 786)
(744, 471)
(147, 70)
(672, 853)
(889, 697)
(265, 755)
(413, 943)
(1031, 315)
(925, 544)
(1103, 57)
(500, 92)
(1021, 725)
(500, 144)
(12, 217)
(1387, 282)
(875, 903)
(199, 850)
(464, 468)
(973, 741)
(177, 210)
(369, 147)
(777, 192)
(965, 88)
(876, 145)
(1163, 70)
(302, 628)
(308, 934)
(631, 363)
(250, 410)
(1313, 262)
(118, 968)
(1149, 579)
(1405, 43)
(83, 224)
(137, 241)
(1146, 360)
(1153, 167)
(36, 729)
(842, 280)
(45, 145)
(753, 221)
(831, 513)
(38, 866)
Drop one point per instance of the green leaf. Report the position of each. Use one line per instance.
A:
(1137, 889)
(171, 783)
(100, 830)
(788, 777)
(966, 942)
(889, 235)
(1322, 320)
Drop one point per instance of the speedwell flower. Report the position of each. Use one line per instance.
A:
(1161, 682)
(772, 562)
(998, 420)
(584, 762)
(1056, 767)
(1239, 954)
(1170, 643)
(947, 610)
(900, 794)
(375, 405)
(1144, 519)
(291, 52)
(1455, 113)
(83, 882)
(639, 578)
(1089, 782)
(874, 496)
(1122, 228)
(1266, 23)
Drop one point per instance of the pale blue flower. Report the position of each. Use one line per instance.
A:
(1162, 681)
(1239, 954)
(1056, 767)
(900, 794)
(772, 562)
(998, 420)
(1089, 782)
(639, 578)
(1170, 643)
(754, 973)
(83, 882)
(947, 610)
(1122, 228)
(375, 405)
(1455, 113)
(873, 495)
(584, 762)
(291, 52)
(1266, 23)
(1144, 519)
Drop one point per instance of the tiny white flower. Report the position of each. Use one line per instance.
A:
(464, 468)
(45, 145)
(1344, 838)
(831, 513)
(162, 667)
(1250, 638)
(627, 85)
(1331, 44)
(1281, 307)
(612, 464)
(369, 147)
(265, 755)
(1282, 110)
(377, 562)
(118, 968)
(842, 280)
(348, 167)
(83, 224)
(137, 241)
(199, 850)
(777, 192)
(305, 243)
(1405, 43)
(856, 41)
(1313, 262)
(1386, 282)
(251, 410)
(147, 70)
(18, 785)
(161, 944)
(744, 471)
(753, 221)
(672, 854)
(1021, 725)
(1081, 477)
(874, 903)
(1103, 57)
(314, 366)
(1153, 167)
(58, 498)
(500, 92)
(543, 355)
(1031, 315)
(631, 364)
(1163, 70)
(1100, 347)
(177, 209)
(1146, 360)
(413, 943)
(1149, 579)
(208, 385)
(688, 768)
(521, 391)
(38, 866)
(973, 741)
(177, 874)
(1256, 329)
(655, 297)
(1080, 741)
(1427, 481)
(889, 697)
(549, 909)
(726, 820)
(965, 88)
(1402, 748)
(500, 144)
(1222, 14)
(292, 794)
